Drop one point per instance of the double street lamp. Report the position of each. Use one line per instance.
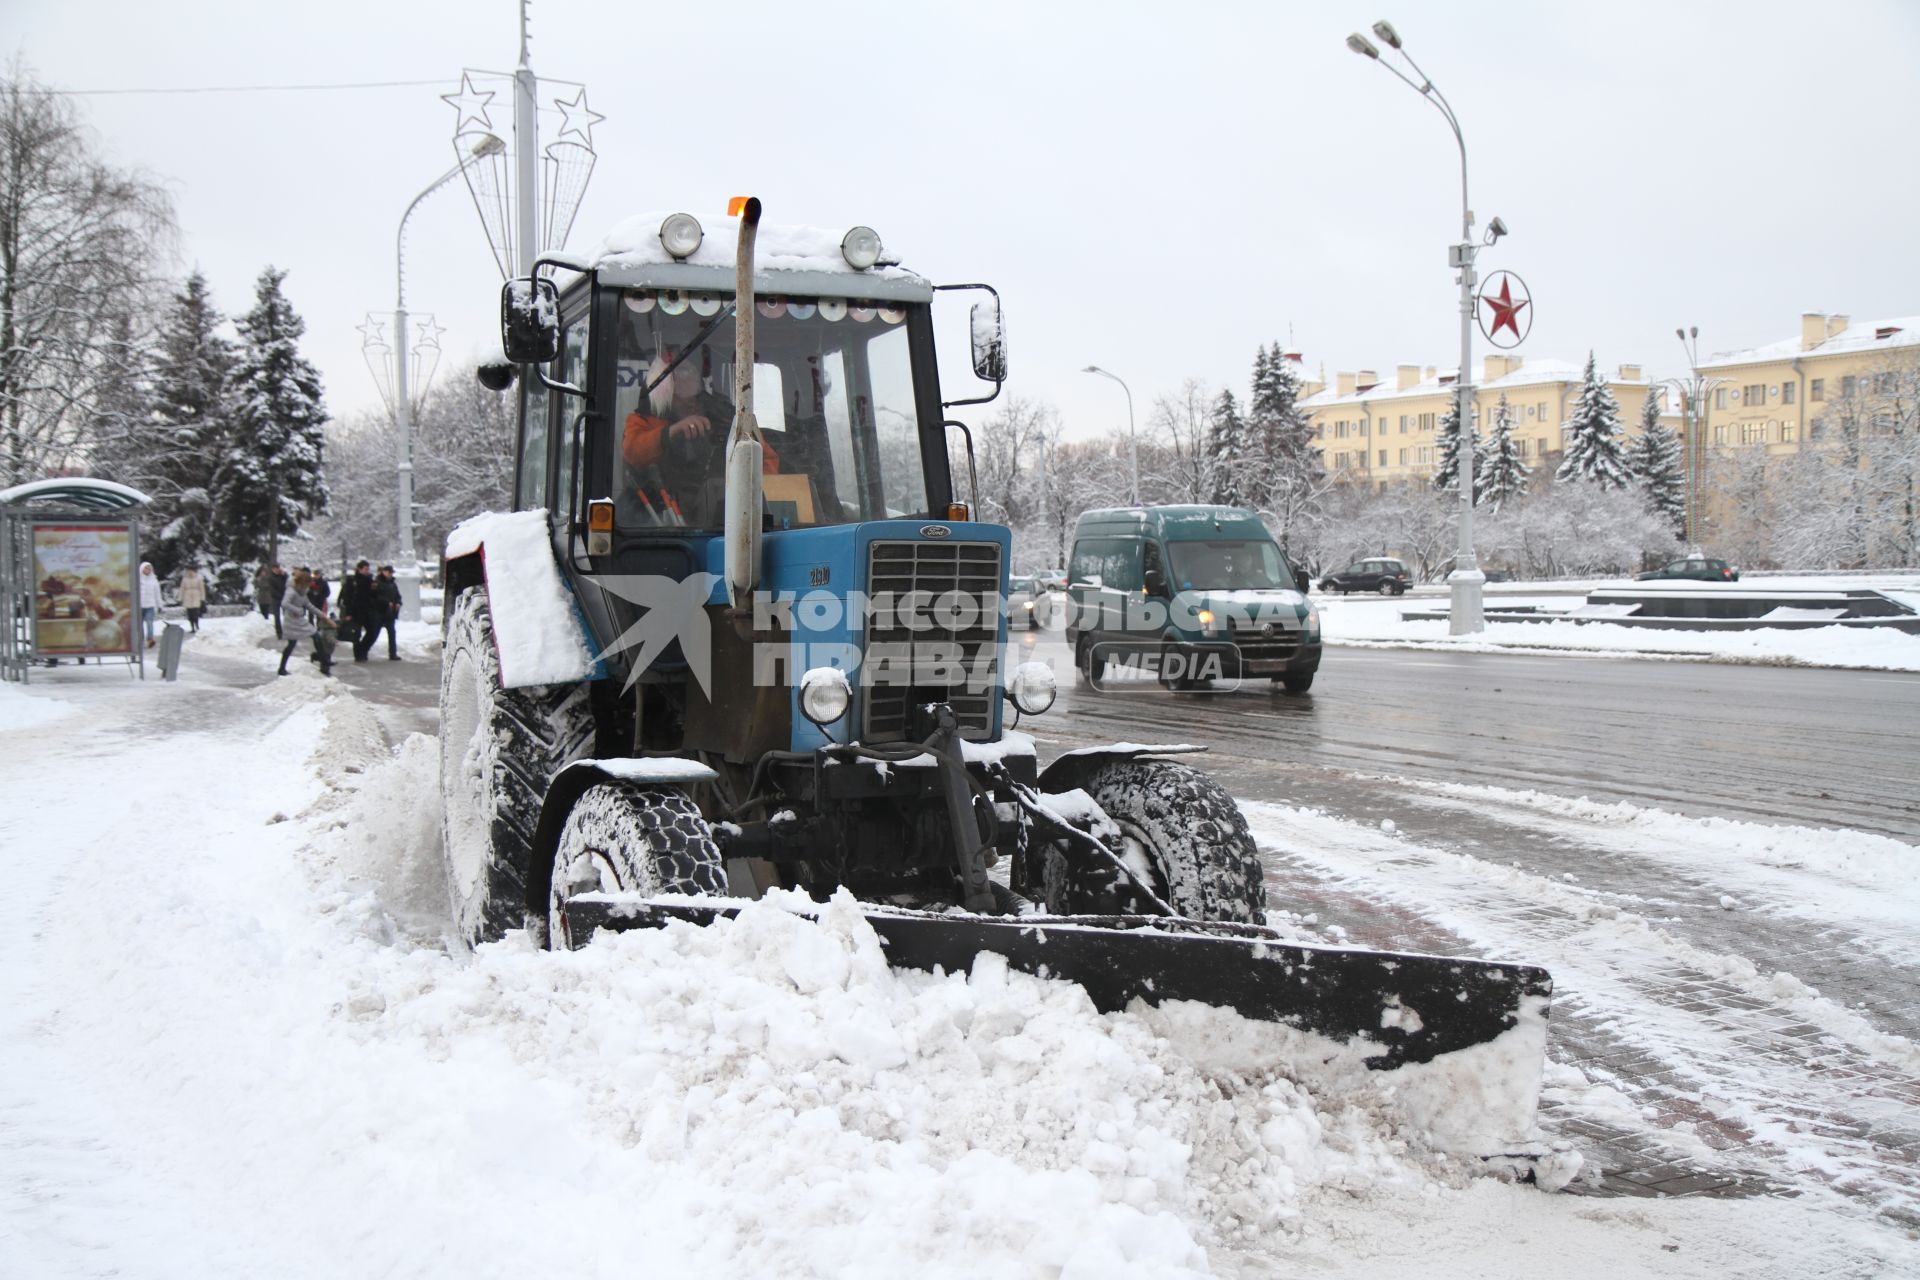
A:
(1466, 615)
(1693, 391)
(1133, 440)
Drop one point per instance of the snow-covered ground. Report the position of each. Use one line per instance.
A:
(1371, 621)
(234, 1042)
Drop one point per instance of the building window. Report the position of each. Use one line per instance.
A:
(1883, 384)
(1720, 434)
(1403, 452)
(1719, 397)
(1818, 391)
(1403, 424)
(1846, 386)
(1426, 422)
(1383, 457)
(1426, 456)
(1543, 411)
(1754, 394)
(1753, 433)
(1786, 393)
(1786, 428)
(1818, 427)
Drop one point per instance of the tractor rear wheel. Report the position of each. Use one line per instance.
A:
(620, 837)
(1193, 836)
(499, 750)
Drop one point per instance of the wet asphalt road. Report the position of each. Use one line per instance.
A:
(1766, 744)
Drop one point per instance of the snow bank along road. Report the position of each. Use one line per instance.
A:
(231, 1043)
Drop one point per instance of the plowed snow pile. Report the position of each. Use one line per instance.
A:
(232, 1044)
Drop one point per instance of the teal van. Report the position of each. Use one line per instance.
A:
(1187, 595)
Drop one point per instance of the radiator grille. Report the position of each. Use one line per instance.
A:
(955, 657)
(1256, 647)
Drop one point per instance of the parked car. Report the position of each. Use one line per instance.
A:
(1698, 568)
(1382, 574)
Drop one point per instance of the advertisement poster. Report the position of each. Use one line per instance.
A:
(83, 589)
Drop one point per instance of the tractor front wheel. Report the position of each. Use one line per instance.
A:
(623, 838)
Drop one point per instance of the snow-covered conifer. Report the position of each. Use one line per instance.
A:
(1227, 446)
(1500, 472)
(1446, 474)
(1654, 460)
(273, 474)
(1593, 450)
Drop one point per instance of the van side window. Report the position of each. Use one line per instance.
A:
(1115, 560)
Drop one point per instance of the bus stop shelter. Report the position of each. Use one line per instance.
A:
(69, 575)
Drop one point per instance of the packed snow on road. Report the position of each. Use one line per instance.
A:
(236, 1041)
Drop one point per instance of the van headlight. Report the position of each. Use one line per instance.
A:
(1313, 624)
(1032, 688)
(825, 695)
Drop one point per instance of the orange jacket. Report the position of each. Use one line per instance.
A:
(645, 438)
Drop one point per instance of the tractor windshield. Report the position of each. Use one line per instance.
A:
(833, 394)
(1228, 565)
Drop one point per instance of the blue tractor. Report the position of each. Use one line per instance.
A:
(744, 632)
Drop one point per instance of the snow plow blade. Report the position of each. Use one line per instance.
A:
(1401, 1008)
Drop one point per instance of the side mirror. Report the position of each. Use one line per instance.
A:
(1156, 582)
(530, 321)
(989, 341)
(497, 375)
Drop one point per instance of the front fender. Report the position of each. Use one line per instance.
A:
(1071, 767)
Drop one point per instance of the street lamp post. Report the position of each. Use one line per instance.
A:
(1693, 397)
(1466, 615)
(407, 567)
(1133, 440)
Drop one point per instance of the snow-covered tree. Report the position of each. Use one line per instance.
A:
(173, 449)
(77, 243)
(1230, 446)
(273, 474)
(1654, 459)
(1180, 444)
(1500, 473)
(1593, 450)
(1446, 473)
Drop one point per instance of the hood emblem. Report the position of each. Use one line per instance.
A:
(934, 531)
(1266, 629)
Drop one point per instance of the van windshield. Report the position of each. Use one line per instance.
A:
(1228, 565)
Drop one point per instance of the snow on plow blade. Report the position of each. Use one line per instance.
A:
(1386, 1010)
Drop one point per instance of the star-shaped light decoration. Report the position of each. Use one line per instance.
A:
(1506, 312)
(428, 334)
(577, 117)
(373, 333)
(471, 103)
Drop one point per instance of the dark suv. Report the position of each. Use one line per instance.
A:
(1696, 567)
(1388, 577)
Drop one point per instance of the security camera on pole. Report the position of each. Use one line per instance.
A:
(1466, 616)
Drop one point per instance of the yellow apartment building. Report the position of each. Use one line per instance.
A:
(1382, 432)
(1778, 395)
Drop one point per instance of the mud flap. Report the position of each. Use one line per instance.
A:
(1393, 1009)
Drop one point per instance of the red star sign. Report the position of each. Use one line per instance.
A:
(1506, 311)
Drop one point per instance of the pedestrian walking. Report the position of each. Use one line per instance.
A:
(301, 619)
(269, 589)
(193, 596)
(318, 589)
(359, 611)
(386, 592)
(149, 599)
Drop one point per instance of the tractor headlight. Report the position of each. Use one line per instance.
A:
(825, 695)
(861, 248)
(680, 235)
(1032, 688)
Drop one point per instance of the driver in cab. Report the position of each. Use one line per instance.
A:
(675, 450)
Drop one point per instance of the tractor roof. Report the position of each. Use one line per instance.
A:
(804, 261)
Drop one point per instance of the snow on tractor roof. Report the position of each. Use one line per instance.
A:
(791, 258)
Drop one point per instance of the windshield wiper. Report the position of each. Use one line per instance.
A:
(725, 313)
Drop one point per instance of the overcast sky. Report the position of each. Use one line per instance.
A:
(1155, 188)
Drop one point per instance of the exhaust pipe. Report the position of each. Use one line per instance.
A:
(744, 448)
